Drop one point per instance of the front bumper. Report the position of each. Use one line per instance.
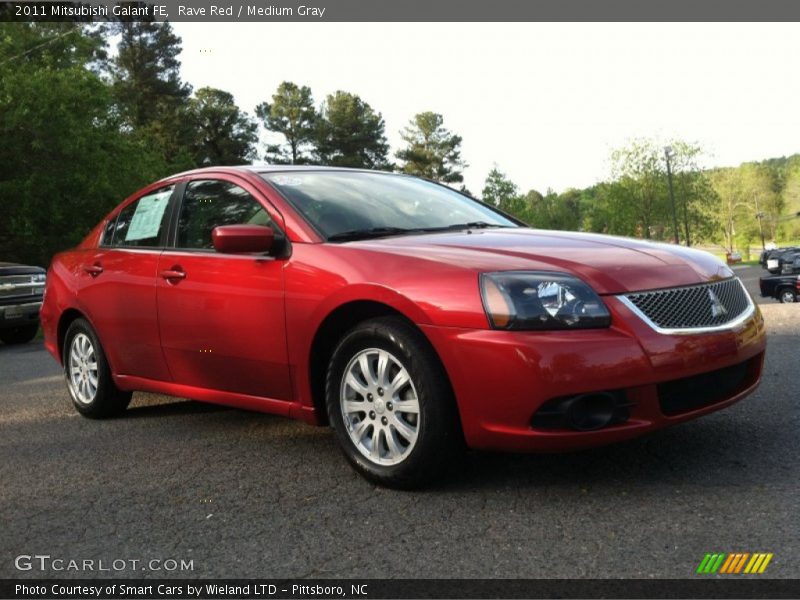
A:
(13, 315)
(502, 378)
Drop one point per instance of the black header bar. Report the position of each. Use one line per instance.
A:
(405, 10)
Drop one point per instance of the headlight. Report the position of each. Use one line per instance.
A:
(541, 300)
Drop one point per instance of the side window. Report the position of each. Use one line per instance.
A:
(108, 232)
(208, 204)
(141, 223)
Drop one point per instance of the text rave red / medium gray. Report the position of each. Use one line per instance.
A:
(411, 318)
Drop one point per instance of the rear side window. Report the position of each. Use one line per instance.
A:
(141, 224)
(210, 203)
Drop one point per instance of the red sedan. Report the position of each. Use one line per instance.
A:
(411, 318)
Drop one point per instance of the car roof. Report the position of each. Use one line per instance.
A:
(269, 169)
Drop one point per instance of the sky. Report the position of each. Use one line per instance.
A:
(546, 103)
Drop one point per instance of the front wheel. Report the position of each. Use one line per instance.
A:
(88, 375)
(787, 296)
(391, 406)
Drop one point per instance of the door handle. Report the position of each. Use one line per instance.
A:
(93, 270)
(174, 273)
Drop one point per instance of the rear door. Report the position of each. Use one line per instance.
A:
(118, 285)
(222, 316)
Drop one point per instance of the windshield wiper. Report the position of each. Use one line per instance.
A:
(363, 234)
(376, 232)
(474, 225)
(470, 225)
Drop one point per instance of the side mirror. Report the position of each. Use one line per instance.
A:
(242, 239)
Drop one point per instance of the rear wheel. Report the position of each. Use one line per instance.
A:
(390, 405)
(21, 334)
(787, 295)
(88, 375)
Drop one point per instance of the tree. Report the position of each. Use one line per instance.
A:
(292, 115)
(764, 204)
(65, 161)
(351, 134)
(498, 188)
(791, 202)
(606, 210)
(640, 172)
(503, 193)
(731, 202)
(432, 151)
(694, 196)
(148, 88)
(224, 135)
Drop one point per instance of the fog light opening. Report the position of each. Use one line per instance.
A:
(588, 412)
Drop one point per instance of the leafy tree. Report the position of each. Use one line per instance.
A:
(53, 45)
(64, 159)
(764, 205)
(500, 191)
(432, 151)
(565, 211)
(351, 134)
(638, 198)
(291, 114)
(791, 202)
(149, 91)
(640, 172)
(224, 135)
(731, 202)
(498, 188)
(607, 211)
(694, 196)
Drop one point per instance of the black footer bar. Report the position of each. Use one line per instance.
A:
(376, 589)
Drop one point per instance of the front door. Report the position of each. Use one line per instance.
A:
(221, 316)
(119, 284)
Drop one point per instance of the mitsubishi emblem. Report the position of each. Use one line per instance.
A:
(717, 309)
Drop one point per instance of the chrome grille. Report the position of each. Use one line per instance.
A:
(13, 286)
(708, 306)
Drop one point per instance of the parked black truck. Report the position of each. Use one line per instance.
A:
(21, 291)
(785, 288)
(779, 260)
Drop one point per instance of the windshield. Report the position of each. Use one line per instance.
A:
(346, 205)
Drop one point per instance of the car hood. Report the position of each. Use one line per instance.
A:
(8, 268)
(611, 265)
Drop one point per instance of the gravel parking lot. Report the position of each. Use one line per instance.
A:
(251, 495)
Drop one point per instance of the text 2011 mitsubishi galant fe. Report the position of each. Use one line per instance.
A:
(411, 318)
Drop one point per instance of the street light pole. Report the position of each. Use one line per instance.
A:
(667, 151)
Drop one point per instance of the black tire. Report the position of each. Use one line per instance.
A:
(787, 296)
(108, 400)
(439, 439)
(21, 334)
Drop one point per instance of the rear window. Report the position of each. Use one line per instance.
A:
(141, 224)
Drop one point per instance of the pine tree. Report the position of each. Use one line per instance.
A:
(224, 135)
(291, 114)
(432, 151)
(351, 134)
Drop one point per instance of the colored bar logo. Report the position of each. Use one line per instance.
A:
(734, 563)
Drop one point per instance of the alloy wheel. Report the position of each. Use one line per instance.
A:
(82, 371)
(380, 406)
